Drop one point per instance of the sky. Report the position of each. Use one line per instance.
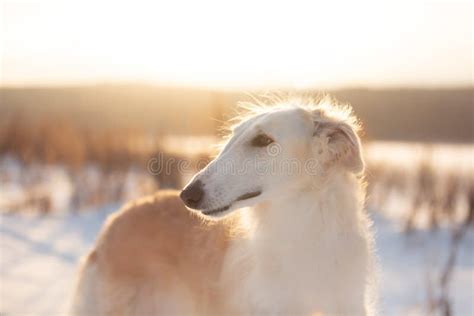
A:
(298, 44)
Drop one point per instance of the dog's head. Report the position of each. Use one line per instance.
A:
(273, 153)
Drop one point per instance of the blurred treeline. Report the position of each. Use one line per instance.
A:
(63, 141)
(423, 115)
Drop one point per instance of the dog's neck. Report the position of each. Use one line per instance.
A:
(296, 239)
(333, 207)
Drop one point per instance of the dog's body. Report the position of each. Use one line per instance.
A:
(300, 246)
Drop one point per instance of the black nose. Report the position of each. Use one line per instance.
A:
(192, 194)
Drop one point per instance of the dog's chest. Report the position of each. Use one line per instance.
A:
(286, 278)
(293, 276)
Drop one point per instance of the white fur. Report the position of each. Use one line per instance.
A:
(317, 261)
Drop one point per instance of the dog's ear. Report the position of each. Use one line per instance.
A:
(343, 144)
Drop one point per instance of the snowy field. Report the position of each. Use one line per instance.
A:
(39, 256)
(50, 215)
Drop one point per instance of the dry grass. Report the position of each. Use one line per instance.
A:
(98, 165)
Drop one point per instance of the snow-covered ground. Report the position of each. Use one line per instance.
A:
(410, 267)
(38, 259)
(39, 255)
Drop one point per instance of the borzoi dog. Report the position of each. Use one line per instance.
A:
(299, 244)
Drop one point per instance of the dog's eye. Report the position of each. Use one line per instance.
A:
(261, 140)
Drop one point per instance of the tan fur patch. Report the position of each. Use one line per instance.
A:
(156, 239)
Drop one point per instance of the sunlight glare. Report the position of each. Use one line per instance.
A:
(207, 43)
